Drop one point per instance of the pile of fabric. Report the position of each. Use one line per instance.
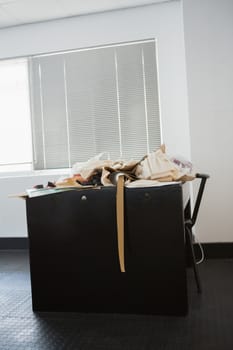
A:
(155, 168)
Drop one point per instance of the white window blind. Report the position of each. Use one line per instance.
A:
(15, 131)
(89, 101)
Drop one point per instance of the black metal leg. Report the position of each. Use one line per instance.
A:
(195, 269)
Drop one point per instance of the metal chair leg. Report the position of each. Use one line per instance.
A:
(190, 222)
(193, 258)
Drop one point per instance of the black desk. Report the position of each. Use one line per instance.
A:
(73, 251)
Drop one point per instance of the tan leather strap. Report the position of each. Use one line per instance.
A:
(120, 220)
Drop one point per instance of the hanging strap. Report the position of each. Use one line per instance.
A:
(120, 220)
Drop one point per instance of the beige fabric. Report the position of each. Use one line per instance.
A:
(128, 170)
(107, 167)
(158, 166)
(154, 166)
(92, 165)
(120, 221)
(105, 177)
(67, 182)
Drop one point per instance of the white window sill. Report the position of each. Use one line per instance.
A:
(31, 173)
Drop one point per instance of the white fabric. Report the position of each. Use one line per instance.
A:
(158, 166)
(149, 183)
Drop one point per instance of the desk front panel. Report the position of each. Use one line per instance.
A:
(74, 257)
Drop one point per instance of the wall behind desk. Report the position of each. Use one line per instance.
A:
(13, 221)
(208, 29)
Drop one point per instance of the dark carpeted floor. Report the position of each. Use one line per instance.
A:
(208, 326)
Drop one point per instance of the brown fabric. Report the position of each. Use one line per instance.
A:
(128, 168)
(120, 220)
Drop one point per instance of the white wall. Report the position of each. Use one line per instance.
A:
(208, 28)
(13, 221)
(161, 21)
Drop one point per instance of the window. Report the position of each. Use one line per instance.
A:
(81, 103)
(93, 100)
(15, 131)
